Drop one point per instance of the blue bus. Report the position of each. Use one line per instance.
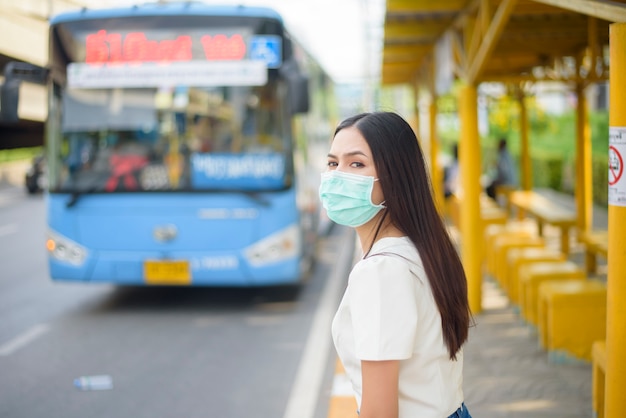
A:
(175, 146)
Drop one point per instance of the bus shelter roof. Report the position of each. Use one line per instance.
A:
(429, 43)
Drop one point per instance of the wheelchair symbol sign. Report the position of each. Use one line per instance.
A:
(267, 49)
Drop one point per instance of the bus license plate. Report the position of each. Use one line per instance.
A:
(166, 272)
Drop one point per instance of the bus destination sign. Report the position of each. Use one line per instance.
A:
(112, 48)
(163, 58)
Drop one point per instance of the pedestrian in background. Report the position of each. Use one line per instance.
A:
(505, 174)
(404, 317)
(451, 174)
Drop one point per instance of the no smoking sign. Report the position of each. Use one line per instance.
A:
(616, 165)
(617, 152)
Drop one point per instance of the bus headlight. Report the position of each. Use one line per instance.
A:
(64, 249)
(277, 247)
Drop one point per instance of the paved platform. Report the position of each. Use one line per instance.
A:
(507, 374)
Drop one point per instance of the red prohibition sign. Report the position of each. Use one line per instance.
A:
(615, 157)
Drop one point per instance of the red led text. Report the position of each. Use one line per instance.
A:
(105, 47)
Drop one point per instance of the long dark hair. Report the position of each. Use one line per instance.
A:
(401, 170)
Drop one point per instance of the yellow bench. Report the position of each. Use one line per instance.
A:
(503, 244)
(533, 274)
(598, 373)
(490, 212)
(545, 211)
(596, 243)
(493, 215)
(572, 315)
(518, 257)
(511, 228)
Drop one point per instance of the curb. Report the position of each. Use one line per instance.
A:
(342, 402)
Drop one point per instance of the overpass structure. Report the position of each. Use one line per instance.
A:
(430, 44)
(24, 38)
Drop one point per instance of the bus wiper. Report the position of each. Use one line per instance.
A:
(257, 198)
(77, 194)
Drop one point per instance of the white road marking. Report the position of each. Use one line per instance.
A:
(23, 339)
(306, 388)
(8, 229)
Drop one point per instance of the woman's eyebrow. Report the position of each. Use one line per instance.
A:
(349, 154)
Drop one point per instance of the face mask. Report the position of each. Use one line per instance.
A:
(347, 198)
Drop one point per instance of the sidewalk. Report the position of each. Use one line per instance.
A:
(507, 374)
(12, 173)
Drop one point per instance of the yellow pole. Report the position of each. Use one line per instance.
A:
(471, 225)
(616, 281)
(437, 174)
(526, 167)
(583, 162)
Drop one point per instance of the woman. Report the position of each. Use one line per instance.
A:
(404, 317)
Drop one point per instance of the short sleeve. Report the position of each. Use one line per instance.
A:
(383, 308)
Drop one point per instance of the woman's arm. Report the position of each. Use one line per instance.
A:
(380, 389)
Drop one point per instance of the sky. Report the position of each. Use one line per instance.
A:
(345, 36)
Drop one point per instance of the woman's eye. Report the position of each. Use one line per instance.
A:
(356, 164)
(332, 164)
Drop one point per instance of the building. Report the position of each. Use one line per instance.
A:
(24, 38)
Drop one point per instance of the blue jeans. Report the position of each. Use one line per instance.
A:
(462, 412)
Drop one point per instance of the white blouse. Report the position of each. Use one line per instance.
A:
(388, 313)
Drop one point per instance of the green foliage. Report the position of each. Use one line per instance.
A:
(557, 142)
(552, 144)
(554, 170)
(552, 140)
(503, 118)
(599, 173)
(599, 124)
(447, 122)
(17, 154)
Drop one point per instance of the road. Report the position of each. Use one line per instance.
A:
(171, 352)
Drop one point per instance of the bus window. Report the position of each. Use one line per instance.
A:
(126, 161)
(262, 123)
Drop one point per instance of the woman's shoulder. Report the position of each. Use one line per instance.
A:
(396, 247)
(390, 256)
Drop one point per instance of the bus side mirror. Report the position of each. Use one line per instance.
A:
(9, 98)
(297, 87)
(14, 73)
(299, 94)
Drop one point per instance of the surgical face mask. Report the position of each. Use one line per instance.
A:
(347, 198)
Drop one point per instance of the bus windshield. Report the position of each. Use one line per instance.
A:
(170, 104)
(183, 138)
